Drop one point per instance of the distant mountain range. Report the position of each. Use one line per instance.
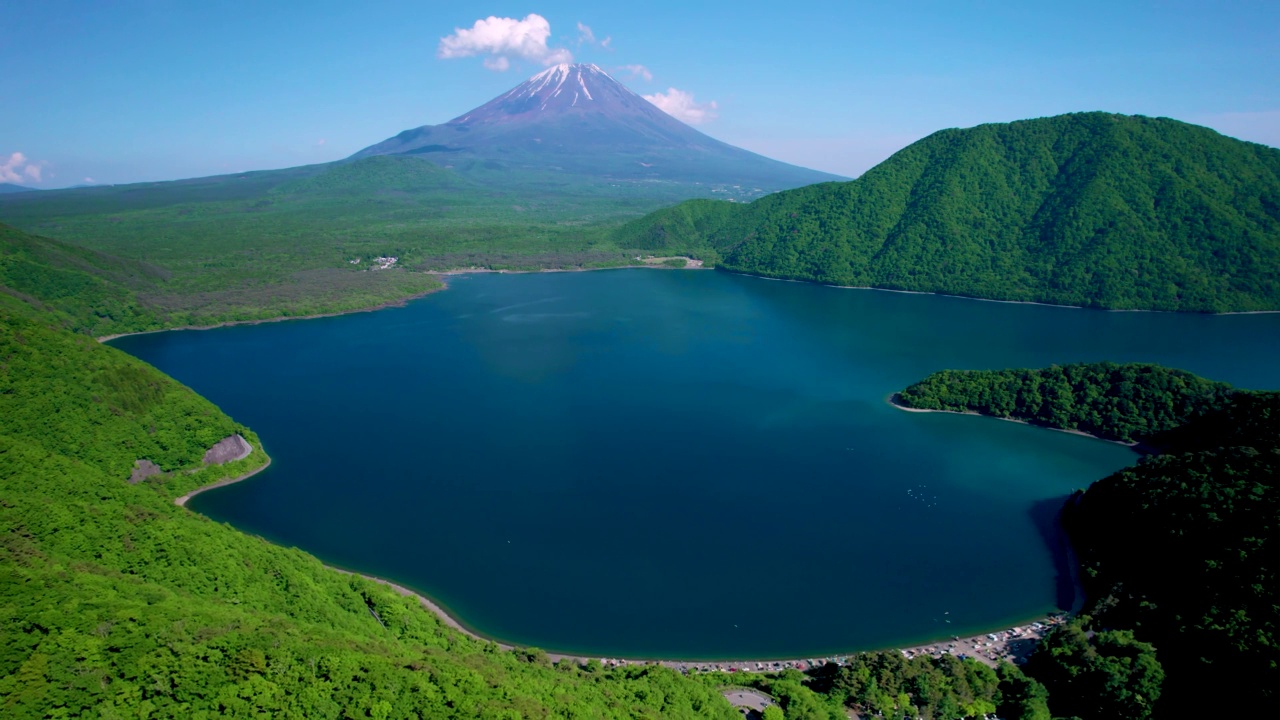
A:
(576, 119)
(12, 188)
(1088, 209)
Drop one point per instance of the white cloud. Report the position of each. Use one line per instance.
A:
(90, 181)
(638, 71)
(504, 40)
(681, 106)
(17, 169)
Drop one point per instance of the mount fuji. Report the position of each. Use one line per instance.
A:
(576, 120)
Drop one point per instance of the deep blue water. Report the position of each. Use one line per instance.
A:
(677, 464)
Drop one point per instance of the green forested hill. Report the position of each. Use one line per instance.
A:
(1088, 209)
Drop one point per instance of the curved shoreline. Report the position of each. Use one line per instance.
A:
(705, 665)
(1023, 631)
(1003, 302)
(894, 400)
(231, 323)
(182, 501)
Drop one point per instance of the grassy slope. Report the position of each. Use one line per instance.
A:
(115, 602)
(1087, 209)
(265, 244)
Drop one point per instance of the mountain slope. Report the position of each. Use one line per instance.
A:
(12, 188)
(90, 291)
(1087, 209)
(577, 120)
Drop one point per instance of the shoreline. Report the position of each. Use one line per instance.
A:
(693, 265)
(231, 323)
(182, 501)
(893, 401)
(401, 302)
(1002, 641)
(1002, 638)
(1003, 302)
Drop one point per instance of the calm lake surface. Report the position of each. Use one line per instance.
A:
(674, 464)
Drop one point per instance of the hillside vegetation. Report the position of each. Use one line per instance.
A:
(1088, 209)
(103, 294)
(299, 241)
(1177, 552)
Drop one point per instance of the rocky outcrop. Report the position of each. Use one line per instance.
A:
(143, 469)
(228, 449)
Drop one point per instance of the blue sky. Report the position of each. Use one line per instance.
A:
(134, 90)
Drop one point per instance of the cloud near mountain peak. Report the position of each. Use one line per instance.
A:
(681, 106)
(502, 40)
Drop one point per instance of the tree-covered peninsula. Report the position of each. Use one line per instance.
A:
(1087, 209)
(1124, 402)
(1177, 553)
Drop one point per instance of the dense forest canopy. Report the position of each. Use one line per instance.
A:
(1125, 402)
(1088, 209)
(1181, 548)
(1177, 552)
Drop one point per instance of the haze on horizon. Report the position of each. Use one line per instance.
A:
(137, 91)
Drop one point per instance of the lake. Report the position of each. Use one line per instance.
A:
(678, 464)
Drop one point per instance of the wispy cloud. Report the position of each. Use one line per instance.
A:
(638, 71)
(17, 169)
(504, 40)
(586, 36)
(681, 106)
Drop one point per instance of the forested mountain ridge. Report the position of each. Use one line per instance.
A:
(1088, 209)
